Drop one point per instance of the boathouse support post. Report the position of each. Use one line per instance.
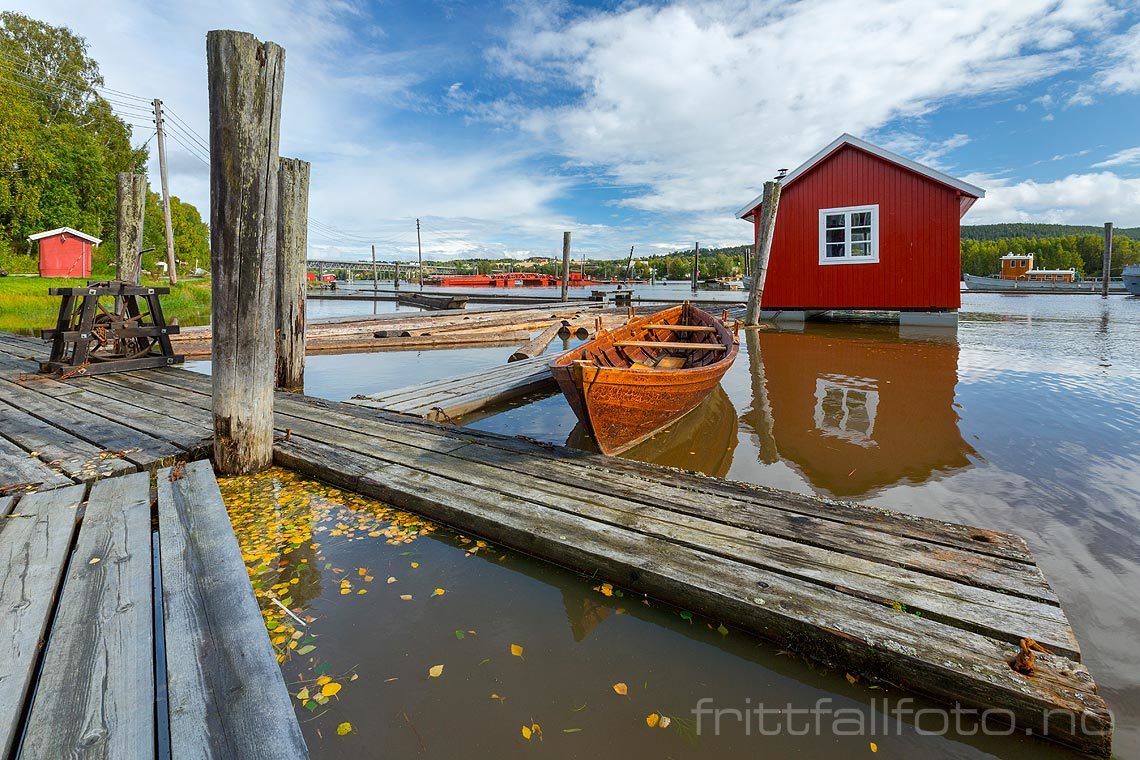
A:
(245, 79)
(130, 206)
(292, 246)
(1107, 270)
(396, 277)
(769, 205)
(696, 264)
(565, 266)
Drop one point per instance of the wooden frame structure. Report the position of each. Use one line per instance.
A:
(91, 339)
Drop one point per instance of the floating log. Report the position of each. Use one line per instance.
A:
(537, 345)
(432, 301)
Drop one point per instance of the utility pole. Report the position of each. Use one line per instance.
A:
(420, 253)
(375, 281)
(158, 125)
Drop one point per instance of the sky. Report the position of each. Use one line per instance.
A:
(500, 126)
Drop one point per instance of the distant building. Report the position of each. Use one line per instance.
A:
(859, 227)
(65, 252)
(1020, 267)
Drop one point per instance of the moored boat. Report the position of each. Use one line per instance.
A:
(1131, 279)
(995, 282)
(629, 383)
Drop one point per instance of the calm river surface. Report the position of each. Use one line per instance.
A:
(1025, 420)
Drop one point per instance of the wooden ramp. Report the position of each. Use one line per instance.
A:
(445, 400)
(932, 606)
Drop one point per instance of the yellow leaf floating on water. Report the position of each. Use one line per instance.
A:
(526, 732)
(406, 597)
(362, 571)
(330, 689)
(303, 694)
(391, 579)
(438, 592)
(415, 565)
(874, 747)
(344, 728)
(652, 719)
(323, 680)
(665, 721)
(533, 730)
(516, 650)
(435, 671)
(94, 561)
(621, 688)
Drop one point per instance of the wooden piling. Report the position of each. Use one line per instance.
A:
(696, 264)
(768, 207)
(245, 80)
(1107, 270)
(565, 266)
(130, 206)
(292, 247)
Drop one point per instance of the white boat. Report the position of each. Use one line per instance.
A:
(1131, 279)
(995, 282)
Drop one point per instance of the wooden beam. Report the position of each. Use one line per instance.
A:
(245, 80)
(130, 207)
(670, 345)
(292, 248)
(33, 551)
(681, 328)
(765, 233)
(95, 693)
(226, 695)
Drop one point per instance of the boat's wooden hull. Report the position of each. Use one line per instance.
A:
(622, 406)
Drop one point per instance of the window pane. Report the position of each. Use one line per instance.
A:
(835, 220)
(860, 234)
(835, 236)
(835, 250)
(861, 219)
(860, 249)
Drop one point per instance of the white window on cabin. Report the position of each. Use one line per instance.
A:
(849, 235)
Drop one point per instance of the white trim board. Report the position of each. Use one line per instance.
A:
(69, 231)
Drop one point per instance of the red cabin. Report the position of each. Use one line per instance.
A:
(65, 252)
(859, 227)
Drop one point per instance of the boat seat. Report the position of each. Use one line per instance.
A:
(681, 328)
(670, 345)
(665, 362)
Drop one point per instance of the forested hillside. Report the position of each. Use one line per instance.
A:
(1035, 230)
(61, 146)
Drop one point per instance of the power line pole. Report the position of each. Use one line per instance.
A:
(375, 280)
(420, 252)
(158, 124)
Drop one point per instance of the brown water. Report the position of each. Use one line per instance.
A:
(1025, 420)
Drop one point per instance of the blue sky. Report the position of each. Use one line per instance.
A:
(645, 124)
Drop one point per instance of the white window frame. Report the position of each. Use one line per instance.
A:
(847, 211)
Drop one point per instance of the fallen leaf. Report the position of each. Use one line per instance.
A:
(330, 689)
(571, 730)
(344, 728)
(438, 592)
(435, 671)
(722, 630)
(516, 650)
(323, 680)
(415, 564)
(665, 721)
(621, 688)
(652, 719)
(303, 694)
(391, 579)
(95, 561)
(362, 571)
(406, 597)
(851, 679)
(874, 747)
(526, 732)
(460, 634)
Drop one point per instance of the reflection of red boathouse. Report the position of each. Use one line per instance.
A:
(855, 413)
(517, 280)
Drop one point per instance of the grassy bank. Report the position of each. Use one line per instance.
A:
(25, 305)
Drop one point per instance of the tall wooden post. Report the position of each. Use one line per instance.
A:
(565, 266)
(696, 264)
(375, 275)
(420, 256)
(769, 205)
(396, 277)
(245, 78)
(130, 200)
(1107, 259)
(160, 132)
(292, 250)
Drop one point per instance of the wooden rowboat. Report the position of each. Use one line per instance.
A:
(629, 383)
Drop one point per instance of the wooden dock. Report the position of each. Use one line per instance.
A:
(935, 607)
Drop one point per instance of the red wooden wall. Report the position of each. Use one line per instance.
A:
(65, 255)
(918, 267)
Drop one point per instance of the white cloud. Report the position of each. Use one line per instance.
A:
(1126, 157)
(918, 148)
(700, 102)
(1120, 72)
(1076, 199)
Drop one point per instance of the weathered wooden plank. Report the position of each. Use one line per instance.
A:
(18, 466)
(245, 79)
(828, 624)
(95, 694)
(227, 698)
(33, 551)
(72, 456)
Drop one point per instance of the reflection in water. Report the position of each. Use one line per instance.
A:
(855, 411)
(703, 440)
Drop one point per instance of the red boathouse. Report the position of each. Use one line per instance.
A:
(65, 252)
(861, 228)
